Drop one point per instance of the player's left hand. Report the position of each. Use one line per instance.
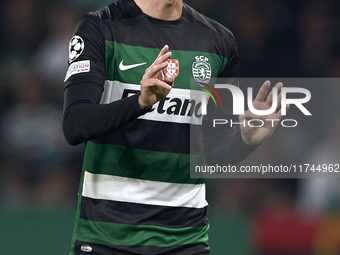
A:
(257, 135)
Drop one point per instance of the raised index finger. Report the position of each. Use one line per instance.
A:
(154, 69)
(162, 57)
(163, 51)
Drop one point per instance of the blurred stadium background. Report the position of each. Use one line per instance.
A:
(39, 172)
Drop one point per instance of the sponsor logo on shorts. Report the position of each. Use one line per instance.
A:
(86, 248)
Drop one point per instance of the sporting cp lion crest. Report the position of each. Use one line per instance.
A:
(172, 68)
(201, 70)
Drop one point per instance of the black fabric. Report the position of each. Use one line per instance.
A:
(84, 119)
(98, 249)
(223, 144)
(142, 214)
(129, 136)
(94, 51)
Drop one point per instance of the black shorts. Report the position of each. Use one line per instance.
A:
(82, 248)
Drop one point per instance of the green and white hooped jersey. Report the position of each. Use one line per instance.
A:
(136, 195)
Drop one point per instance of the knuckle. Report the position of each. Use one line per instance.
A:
(143, 82)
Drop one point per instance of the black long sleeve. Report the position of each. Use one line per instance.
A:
(84, 119)
(223, 144)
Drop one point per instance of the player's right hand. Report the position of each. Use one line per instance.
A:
(155, 85)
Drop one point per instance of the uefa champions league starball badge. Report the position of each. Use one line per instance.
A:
(76, 47)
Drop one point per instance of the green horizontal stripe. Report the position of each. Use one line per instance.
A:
(144, 235)
(141, 164)
(116, 52)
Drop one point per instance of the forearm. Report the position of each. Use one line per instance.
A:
(84, 119)
(226, 148)
(223, 144)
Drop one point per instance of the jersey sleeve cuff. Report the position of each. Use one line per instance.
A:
(137, 106)
(243, 146)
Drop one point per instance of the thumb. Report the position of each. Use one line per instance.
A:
(169, 79)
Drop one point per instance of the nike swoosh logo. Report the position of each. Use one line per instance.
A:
(123, 67)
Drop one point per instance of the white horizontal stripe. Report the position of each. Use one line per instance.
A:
(114, 90)
(115, 188)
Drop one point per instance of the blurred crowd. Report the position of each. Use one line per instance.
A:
(38, 169)
(276, 38)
